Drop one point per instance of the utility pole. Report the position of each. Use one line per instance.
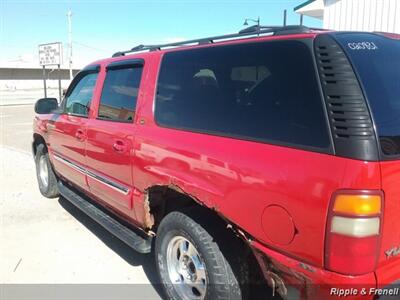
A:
(69, 15)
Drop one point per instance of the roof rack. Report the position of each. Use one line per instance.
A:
(252, 30)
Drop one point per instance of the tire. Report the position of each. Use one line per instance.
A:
(214, 276)
(44, 173)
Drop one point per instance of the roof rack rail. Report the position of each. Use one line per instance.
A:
(252, 30)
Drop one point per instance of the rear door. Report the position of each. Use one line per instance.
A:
(110, 135)
(67, 137)
(376, 60)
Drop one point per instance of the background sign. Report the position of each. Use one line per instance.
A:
(50, 54)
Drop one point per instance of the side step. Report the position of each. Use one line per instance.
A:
(138, 243)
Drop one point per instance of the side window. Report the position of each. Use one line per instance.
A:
(245, 78)
(77, 102)
(269, 94)
(119, 95)
(249, 73)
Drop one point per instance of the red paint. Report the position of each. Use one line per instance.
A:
(274, 217)
(240, 179)
(391, 224)
(68, 138)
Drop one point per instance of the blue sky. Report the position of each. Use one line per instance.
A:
(101, 28)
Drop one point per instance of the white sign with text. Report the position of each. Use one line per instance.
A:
(50, 54)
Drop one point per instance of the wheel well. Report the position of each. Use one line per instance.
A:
(37, 140)
(165, 199)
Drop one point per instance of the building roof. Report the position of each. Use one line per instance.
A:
(303, 4)
(311, 8)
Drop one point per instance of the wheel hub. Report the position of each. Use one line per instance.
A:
(43, 171)
(186, 269)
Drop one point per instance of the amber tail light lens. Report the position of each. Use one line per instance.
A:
(354, 232)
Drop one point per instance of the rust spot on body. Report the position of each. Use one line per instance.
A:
(148, 218)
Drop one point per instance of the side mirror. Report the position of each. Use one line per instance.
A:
(46, 105)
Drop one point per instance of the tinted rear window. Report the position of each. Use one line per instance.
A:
(376, 60)
(259, 91)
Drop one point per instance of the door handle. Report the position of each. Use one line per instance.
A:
(80, 135)
(119, 146)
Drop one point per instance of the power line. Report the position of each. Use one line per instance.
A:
(90, 47)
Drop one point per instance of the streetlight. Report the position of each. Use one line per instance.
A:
(252, 20)
(255, 21)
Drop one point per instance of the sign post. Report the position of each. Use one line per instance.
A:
(59, 83)
(44, 81)
(51, 55)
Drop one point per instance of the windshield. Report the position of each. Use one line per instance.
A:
(376, 60)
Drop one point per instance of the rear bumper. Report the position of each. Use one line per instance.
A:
(303, 281)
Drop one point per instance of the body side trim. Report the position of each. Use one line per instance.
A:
(110, 183)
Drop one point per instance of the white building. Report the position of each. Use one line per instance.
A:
(357, 15)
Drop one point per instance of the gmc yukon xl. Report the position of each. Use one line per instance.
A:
(270, 157)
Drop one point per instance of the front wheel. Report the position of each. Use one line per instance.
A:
(190, 261)
(44, 172)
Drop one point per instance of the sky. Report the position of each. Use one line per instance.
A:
(100, 28)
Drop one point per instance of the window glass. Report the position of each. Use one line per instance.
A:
(119, 95)
(259, 91)
(78, 101)
(249, 73)
(377, 61)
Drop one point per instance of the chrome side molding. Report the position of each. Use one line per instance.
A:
(106, 181)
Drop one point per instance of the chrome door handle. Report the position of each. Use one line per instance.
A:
(119, 146)
(80, 135)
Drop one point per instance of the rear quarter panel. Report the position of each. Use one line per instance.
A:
(239, 179)
(389, 265)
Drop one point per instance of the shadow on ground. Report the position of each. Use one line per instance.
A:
(145, 260)
(124, 251)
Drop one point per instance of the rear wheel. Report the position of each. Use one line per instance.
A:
(191, 263)
(44, 172)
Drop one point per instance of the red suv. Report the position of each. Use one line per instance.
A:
(267, 157)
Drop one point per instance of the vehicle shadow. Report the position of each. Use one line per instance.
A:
(147, 261)
(119, 247)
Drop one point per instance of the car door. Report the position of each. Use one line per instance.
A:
(110, 135)
(67, 136)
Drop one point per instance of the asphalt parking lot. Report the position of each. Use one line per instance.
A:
(48, 240)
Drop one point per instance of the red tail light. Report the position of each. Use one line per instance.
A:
(354, 232)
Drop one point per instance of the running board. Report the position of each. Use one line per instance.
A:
(125, 234)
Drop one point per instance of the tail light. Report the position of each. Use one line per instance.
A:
(354, 232)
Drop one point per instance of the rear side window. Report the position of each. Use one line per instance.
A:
(119, 95)
(257, 91)
(376, 60)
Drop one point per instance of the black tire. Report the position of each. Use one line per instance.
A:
(49, 190)
(224, 269)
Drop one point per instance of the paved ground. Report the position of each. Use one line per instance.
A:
(48, 240)
(16, 127)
